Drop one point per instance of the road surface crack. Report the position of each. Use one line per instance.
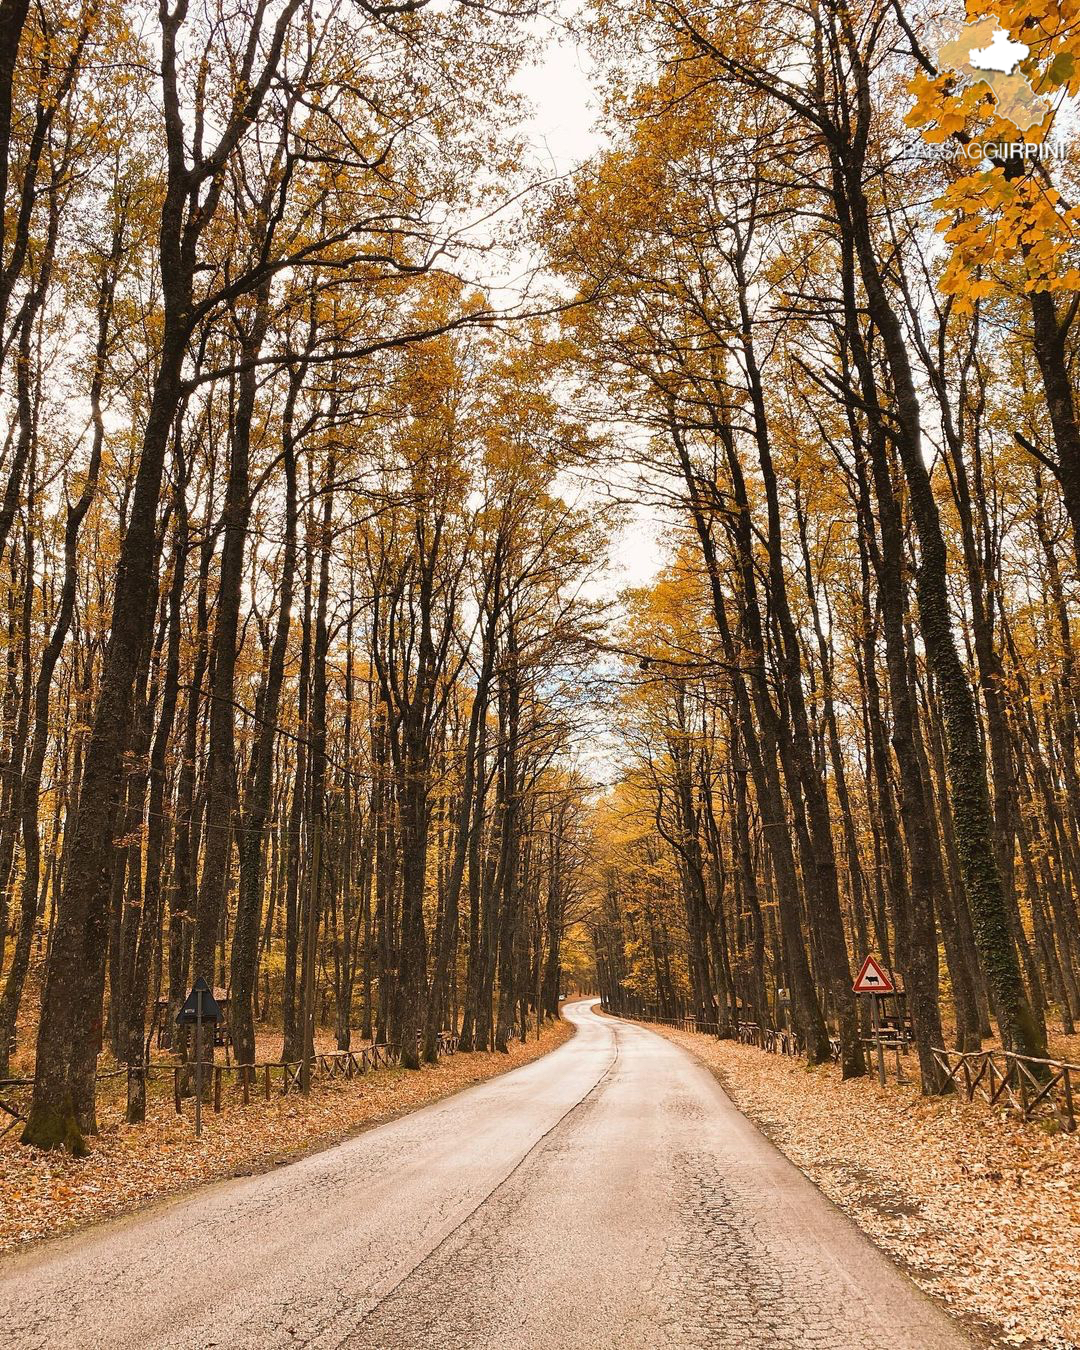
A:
(537, 1144)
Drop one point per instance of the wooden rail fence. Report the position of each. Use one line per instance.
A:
(259, 1079)
(1031, 1087)
(9, 1085)
(250, 1079)
(780, 1041)
(774, 1041)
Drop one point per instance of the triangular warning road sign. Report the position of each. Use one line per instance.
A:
(872, 979)
(191, 1011)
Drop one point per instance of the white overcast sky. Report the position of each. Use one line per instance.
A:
(562, 89)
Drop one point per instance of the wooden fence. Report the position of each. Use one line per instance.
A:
(683, 1024)
(780, 1041)
(8, 1108)
(281, 1077)
(1031, 1087)
(259, 1078)
(14, 1085)
(251, 1080)
(775, 1042)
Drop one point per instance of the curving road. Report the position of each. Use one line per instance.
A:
(607, 1195)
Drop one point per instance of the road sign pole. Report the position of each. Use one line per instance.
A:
(875, 1022)
(198, 1064)
(200, 1006)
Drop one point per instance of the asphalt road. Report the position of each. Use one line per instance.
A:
(607, 1195)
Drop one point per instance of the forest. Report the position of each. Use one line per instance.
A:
(320, 681)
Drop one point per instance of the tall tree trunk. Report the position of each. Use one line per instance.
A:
(258, 795)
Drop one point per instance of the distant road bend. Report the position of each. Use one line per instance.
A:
(607, 1195)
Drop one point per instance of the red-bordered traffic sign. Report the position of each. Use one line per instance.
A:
(872, 979)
